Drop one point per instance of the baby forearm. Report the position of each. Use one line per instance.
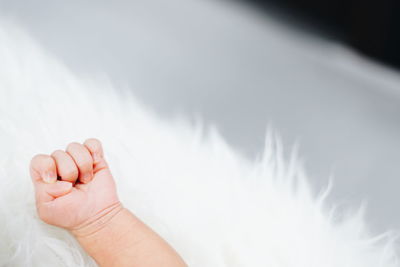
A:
(118, 238)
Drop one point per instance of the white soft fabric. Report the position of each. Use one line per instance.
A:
(213, 205)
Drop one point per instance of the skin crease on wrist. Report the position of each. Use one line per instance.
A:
(75, 190)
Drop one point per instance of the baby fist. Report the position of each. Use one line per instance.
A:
(73, 188)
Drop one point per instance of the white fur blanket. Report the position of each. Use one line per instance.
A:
(212, 204)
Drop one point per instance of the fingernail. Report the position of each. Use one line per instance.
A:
(49, 178)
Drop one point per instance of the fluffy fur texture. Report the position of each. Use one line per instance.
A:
(214, 206)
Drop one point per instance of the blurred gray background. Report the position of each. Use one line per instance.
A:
(242, 70)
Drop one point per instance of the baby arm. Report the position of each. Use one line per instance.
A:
(75, 190)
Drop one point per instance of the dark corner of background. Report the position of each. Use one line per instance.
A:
(372, 27)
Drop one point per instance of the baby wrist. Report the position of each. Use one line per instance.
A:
(97, 222)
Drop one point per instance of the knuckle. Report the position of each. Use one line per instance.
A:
(35, 159)
(38, 157)
(93, 140)
(48, 161)
(43, 160)
(57, 152)
(73, 145)
(93, 143)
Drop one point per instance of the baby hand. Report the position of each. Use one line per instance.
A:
(74, 187)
